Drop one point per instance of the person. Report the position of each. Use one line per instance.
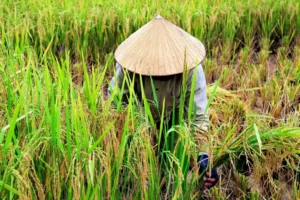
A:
(159, 54)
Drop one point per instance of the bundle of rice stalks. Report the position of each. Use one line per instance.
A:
(226, 107)
(254, 143)
(236, 131)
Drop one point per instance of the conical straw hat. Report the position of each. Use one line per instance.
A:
(159, 48)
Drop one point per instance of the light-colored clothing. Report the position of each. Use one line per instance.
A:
(168, 90)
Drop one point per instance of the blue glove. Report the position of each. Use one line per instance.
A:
(202, 161)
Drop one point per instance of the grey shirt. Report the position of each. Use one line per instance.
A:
(168, 92)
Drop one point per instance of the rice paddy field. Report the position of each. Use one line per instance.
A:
(61, 137)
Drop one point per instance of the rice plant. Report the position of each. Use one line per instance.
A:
(61, 137)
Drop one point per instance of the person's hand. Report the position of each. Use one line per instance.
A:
(210, 179)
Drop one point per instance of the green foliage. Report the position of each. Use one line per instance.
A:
(62, 138)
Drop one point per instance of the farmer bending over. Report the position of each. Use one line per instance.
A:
(158, 52)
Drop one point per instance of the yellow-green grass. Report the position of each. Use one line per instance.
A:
(61, 138)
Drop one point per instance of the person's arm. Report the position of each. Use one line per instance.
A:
(201, 120)
(117, 81)
(201, 123)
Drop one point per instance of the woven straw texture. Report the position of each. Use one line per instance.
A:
(160, 48)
